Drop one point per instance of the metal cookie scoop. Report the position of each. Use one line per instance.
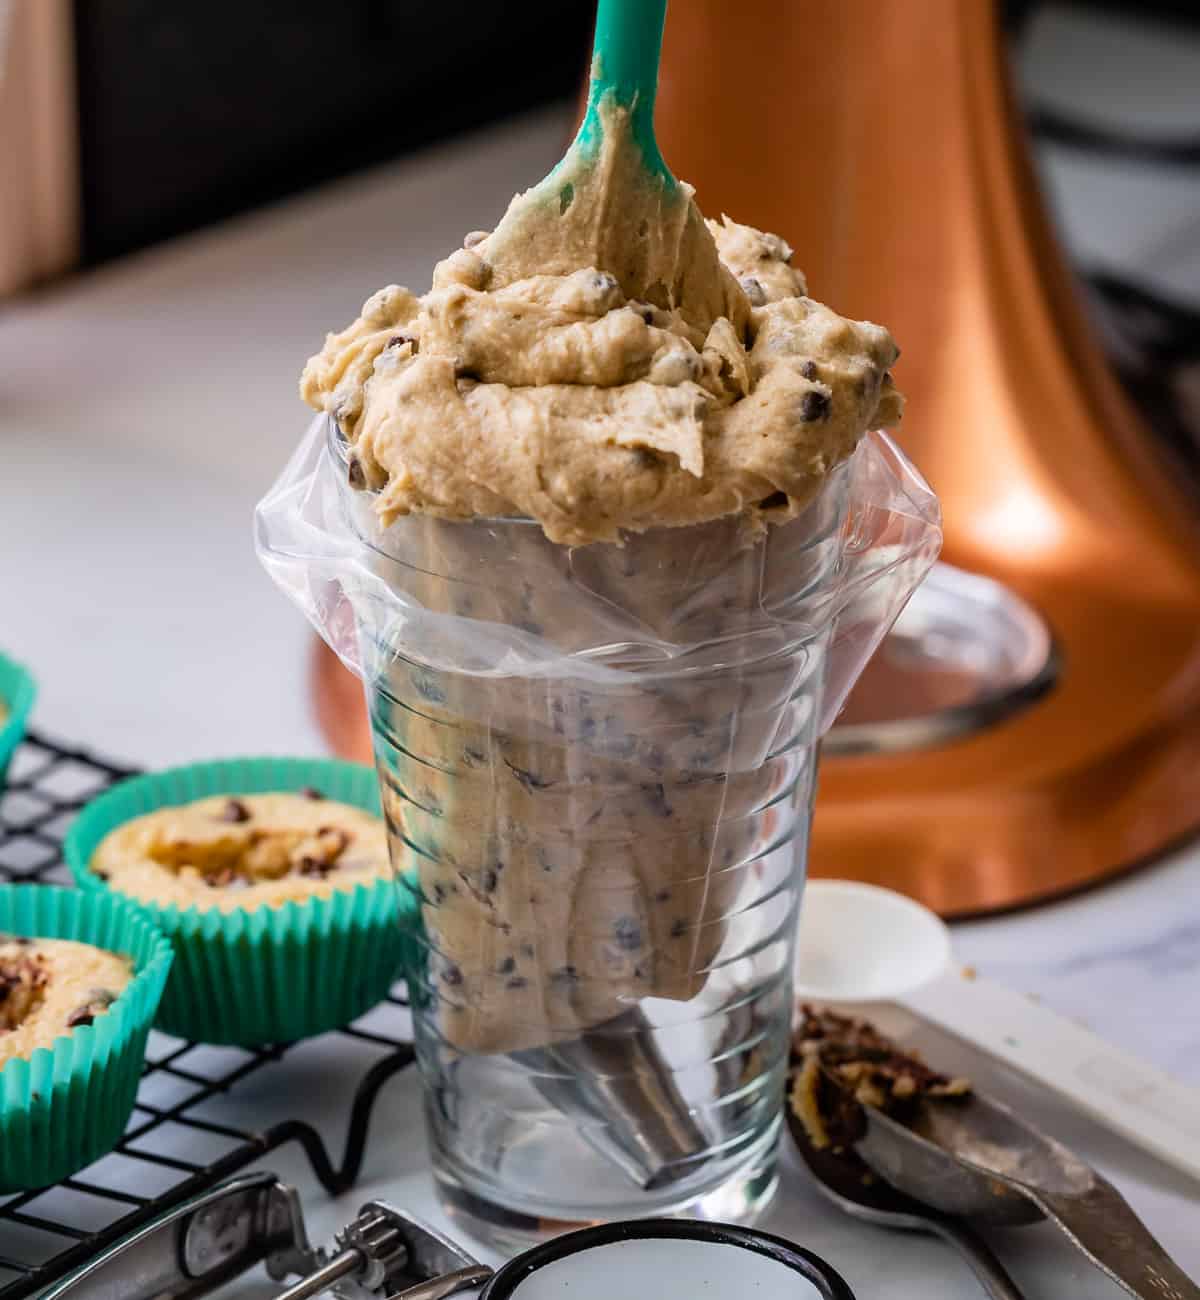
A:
(976, 1159)
(196, 1247)
(846, 1181)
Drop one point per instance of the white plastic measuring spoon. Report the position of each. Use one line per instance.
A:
(861, 943)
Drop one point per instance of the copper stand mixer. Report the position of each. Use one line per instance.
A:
(1033, 724)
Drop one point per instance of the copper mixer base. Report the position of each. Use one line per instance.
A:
(883, 142)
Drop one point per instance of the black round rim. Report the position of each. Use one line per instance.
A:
(830, 1283)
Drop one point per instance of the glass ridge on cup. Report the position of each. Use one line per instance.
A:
(602, 761)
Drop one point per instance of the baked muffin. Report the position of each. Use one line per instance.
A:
(270, 877)
(81, 975)
(245, 851)
(49, 987)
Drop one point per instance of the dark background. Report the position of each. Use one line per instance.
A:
(190, 112)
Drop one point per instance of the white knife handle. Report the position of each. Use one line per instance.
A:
(1129, 1097)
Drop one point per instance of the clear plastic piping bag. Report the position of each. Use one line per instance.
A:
(494, 598)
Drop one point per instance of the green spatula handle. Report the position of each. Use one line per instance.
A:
(625, 64)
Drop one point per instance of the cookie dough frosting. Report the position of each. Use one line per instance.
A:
(49, 987)
(604, 360)
(244, 852)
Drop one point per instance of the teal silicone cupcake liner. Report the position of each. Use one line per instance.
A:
(271, 974)
(66, 1105)
(17, 693)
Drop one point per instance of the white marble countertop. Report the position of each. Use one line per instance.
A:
(145, 408)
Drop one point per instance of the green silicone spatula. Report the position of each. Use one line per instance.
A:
(611, 203)
(625, 59)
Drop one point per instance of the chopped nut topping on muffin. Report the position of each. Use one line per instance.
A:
(244, 851)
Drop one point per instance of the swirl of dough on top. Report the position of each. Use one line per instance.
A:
(624, 366)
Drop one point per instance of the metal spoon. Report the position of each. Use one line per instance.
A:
(846, 1181)
(978, 1159)
(860, 943)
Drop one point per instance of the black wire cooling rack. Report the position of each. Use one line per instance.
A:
(176, 1143)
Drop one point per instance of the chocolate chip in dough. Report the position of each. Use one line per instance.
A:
(80, 1016)
(355, 474)
(235, 811)
(814, 405)
(516, 982)
(310, 792)
(399, 340)
(678, 928)
(809, 370)
(656, 797)
(627, 933)
(753, 289)
(507, 966)
(452, 976)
